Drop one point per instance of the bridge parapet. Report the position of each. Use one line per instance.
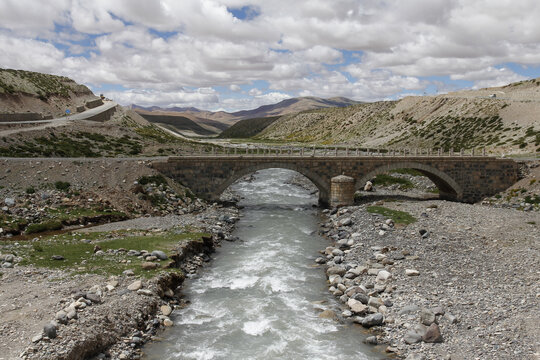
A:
(335, 151)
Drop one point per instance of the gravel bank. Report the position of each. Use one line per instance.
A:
(473, 272)
(111, 317)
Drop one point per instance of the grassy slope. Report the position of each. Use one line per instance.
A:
(248, 128)
(180, 123)
(38, 84)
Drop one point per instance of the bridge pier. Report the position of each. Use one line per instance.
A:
(341, 191)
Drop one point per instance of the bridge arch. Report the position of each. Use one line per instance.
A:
(448, 188)
(318, 181)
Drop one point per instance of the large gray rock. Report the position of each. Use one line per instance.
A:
(336, 270)
(159, 254)
(356, 306)
(415, 334)
(9, 201)
(363, 298)
(50, 330)
(373, 320)
(427, 317)
(136, 285)
(62, 317)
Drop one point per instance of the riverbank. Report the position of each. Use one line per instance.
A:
(459, 281)
(95, 314)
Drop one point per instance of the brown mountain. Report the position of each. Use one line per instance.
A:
(221, 120)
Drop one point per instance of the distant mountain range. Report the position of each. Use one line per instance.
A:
(216, 122)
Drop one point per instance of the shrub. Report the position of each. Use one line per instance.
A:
(44, 226)
(30, 190)
(62, 185)
(152, 179)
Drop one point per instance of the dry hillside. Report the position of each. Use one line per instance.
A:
(506, 123)
(31, 92)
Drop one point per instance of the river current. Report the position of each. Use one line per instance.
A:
(261, 296)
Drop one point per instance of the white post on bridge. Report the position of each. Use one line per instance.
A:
(336, 152)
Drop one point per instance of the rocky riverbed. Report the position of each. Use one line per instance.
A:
(461, 282)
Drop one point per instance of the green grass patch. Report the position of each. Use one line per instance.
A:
(399, 217)
(79, 256)
(386, 180)
(44, 226)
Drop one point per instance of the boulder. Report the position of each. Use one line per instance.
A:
(415, 334)
(50, 330)
(412, 272)
(373, 320)
(383, 276)
(336, 270)
(368, 186)
(356, 306)
(166, 310)
(427, 317)
(149, 265)
(328, 314)
(433, 334)
(136, 285)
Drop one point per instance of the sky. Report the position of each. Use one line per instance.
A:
(239, 54)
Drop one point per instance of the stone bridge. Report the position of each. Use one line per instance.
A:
(458, 178)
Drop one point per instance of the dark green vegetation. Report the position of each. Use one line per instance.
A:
(152, 179)
(399, 217)
(248, 128)
(62, 185)
(386, 180)
(178, 123)
(449, 132)
(79, 255)
(77, 144)
(57, 218)
(50, 225)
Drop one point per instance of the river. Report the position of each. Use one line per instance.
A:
(261, 296)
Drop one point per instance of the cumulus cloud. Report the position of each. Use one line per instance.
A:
(200, 97)
(159, 48)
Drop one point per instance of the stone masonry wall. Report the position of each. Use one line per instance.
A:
(467, 179)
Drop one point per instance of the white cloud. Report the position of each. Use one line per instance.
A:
(200, 98)
(288, 44)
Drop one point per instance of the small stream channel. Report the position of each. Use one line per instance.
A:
(261, 296)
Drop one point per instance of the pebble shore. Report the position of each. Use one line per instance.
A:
(462, 282)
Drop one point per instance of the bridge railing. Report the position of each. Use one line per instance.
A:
(328, 151)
